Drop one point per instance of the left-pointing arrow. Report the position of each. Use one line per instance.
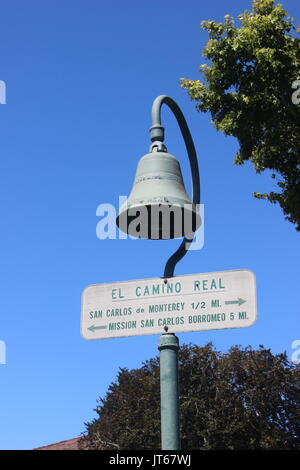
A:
(93, 328)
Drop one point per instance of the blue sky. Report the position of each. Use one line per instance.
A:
(81, 77)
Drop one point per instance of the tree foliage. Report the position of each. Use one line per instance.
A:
(242, 399)
(247, 88)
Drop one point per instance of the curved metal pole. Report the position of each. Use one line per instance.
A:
(157, 135)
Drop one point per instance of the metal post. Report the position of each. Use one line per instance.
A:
(169, 396)
(168, 343)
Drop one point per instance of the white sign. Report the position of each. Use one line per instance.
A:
(193, 302)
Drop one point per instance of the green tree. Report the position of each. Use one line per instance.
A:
(247, 88)
(242, 399)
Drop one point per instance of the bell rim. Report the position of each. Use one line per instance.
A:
(182, 207)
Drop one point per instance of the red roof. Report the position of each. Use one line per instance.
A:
(70, 444)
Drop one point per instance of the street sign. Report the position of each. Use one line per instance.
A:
(193, 302)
